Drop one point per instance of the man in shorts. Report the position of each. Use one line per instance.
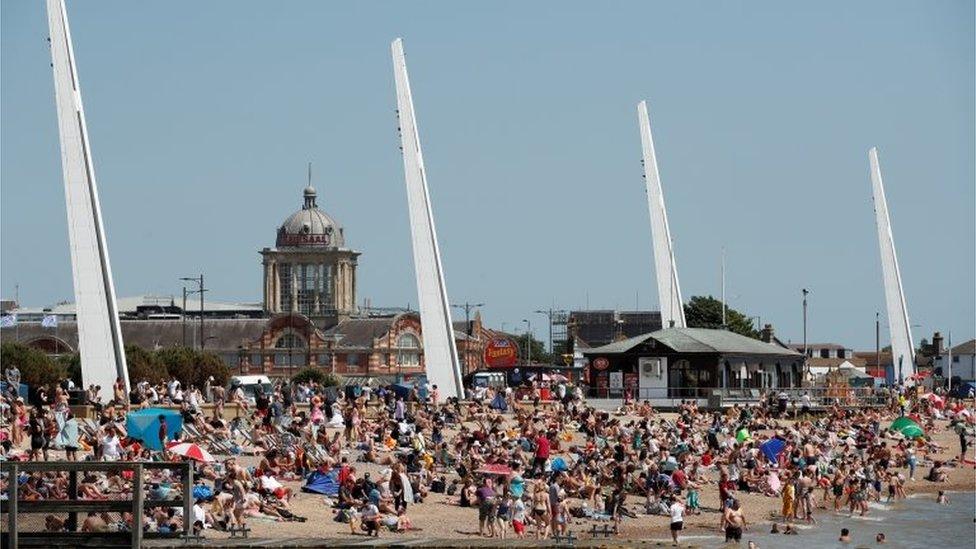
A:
(734, 521)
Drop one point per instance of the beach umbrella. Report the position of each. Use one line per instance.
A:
(907, 427)
(772, 448)
(936, 400)
(143, 425)
(901, 423)
(912, 431)
(190, 450)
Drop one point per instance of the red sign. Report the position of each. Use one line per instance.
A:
(501, 352)
(285, 239)
(601, 363)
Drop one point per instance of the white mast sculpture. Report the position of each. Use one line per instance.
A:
(440, 351)
(99, 333)
(666, 272)
(902, 346)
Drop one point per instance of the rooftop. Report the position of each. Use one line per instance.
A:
(696, 340)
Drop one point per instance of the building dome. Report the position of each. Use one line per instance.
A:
(310, 227)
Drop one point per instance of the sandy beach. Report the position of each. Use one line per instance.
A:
(440, 517)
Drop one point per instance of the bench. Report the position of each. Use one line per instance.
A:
(606, 532)
(243, 531)
(568, 539)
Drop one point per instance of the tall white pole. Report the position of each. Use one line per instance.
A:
(665, 271)
(440, 350)
(99, 332)
(902, 346)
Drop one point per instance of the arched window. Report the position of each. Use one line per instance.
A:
(408, 341)
(291, 351)
(408, 350)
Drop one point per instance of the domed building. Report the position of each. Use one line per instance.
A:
(310, 271)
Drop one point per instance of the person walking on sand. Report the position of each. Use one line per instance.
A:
(677, 510)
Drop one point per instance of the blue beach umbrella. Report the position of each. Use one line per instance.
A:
(772, 448)
(144, 425)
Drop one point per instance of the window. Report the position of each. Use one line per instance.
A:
(256, 360)
(284, 283)
(290, 350)
(824, 353)
(841, 353)
(312, 284)
(352, 360)
(955, 358)
(324, 361)
(408, 350)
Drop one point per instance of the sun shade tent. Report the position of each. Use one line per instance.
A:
(498, 403)
(143, 425)
(402, 390)
(326, 484)
(772, 448)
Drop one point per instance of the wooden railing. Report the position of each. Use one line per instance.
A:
(15, 508)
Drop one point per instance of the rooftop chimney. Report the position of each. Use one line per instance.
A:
(766, 334)
(937, 342)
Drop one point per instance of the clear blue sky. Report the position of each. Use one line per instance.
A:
(202, 116)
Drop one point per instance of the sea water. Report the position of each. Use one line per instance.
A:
(914, 522)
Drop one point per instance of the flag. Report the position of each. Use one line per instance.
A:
(50, 321)
(8, 321)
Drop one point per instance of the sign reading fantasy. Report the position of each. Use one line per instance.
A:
(501, 352)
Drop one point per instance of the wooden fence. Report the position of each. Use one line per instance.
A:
(17, 509)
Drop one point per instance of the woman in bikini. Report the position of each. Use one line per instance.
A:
(541, 510)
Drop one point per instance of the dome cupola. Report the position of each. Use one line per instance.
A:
(310, 226)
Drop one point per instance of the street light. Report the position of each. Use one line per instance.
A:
(528, 342)
(805, 292)
(200, 291)
(467, 329)
(549, 312)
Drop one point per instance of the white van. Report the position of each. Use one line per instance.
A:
(250, 385)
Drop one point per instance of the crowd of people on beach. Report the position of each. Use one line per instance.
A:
(526, 466)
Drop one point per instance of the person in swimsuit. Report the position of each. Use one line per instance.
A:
(541, 510)
(734, 521)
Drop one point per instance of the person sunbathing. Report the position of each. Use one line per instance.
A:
(88, 490)
(404, 524)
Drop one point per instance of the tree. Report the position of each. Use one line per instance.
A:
(193, 367)
(211, 365)
(316, 375)
(143, 365)
(72, 365)
(309, 375)
(539, 353)
(36, 368)
(706, 312)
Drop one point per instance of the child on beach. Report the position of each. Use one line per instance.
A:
(789, 496)
(943, 499)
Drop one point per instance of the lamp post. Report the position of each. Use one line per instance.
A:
(528, 342)
(549, 312)
(877, 341)
(806, 367)
(200, 290)
(466, 306)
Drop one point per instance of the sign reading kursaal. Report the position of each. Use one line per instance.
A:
(501, 352)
